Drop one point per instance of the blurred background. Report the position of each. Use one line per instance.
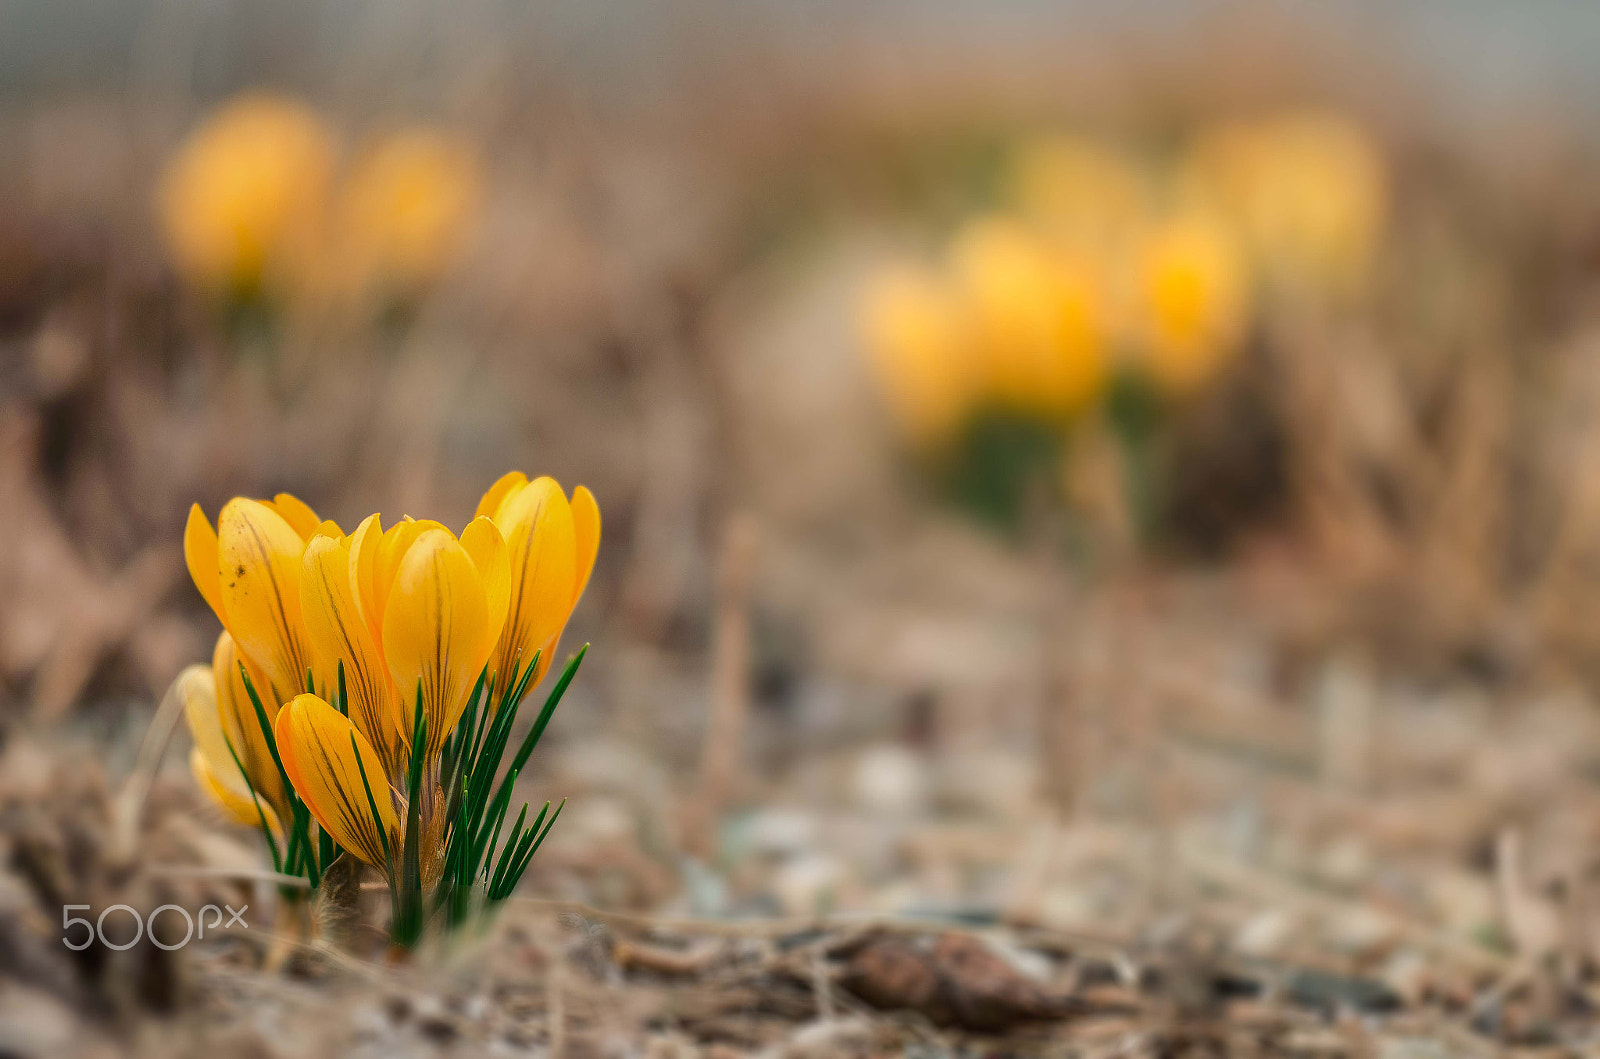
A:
(1105, 467)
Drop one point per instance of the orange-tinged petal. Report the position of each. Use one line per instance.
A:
(239, 721)
(200, 554)
(298, 514)
(496, 494)
(234, 797)
(538, 525)
(319, 747)
(259, 559)
(482, 541)
(338, 634)
(436, 631)
(586, 538)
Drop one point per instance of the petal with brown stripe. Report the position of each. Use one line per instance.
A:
(259, 567)
(436, 630)
(325, 757)
(338, 634)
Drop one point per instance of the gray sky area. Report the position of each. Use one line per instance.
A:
(1475, 54)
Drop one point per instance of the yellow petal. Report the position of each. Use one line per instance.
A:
(436, 631)
(234, 797)
(397, 540)
(198, 693)
(239, 721)
(297, 513)
(482, 541)
(338, 634)
(259, 560)
(586, 538)
(319, 747)
(213, 765)
(365, 544)
(200, 553)
(538, 526)
(586, 545)
(497, 493)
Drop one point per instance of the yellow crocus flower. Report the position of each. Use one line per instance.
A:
(230, 759)
(1195, 301)
(397, 626)
(915, 332)
(1079, 190)
(1037, 317)
(1309, 190)
(407, 608)
(408, 612)
(552, 543)
(246, 195)
(405, 207)
(248, 570)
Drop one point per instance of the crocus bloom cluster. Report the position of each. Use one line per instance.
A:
(1308, 191)
(256, 203)
(394, 625)
(1102, 262)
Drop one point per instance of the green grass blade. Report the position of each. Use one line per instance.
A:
(372, 803)
(509, 856)
(511, 837)
(535, 733)
(299, 843)
(272, 843)
(522, 864)
(407, 928)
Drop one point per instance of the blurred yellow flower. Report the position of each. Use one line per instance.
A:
(1079, 190)
(1195, 300)
(1037, 316)
(245, 197)
(1309, 190)
(406, 207)
(231, 760)
(916, 336)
